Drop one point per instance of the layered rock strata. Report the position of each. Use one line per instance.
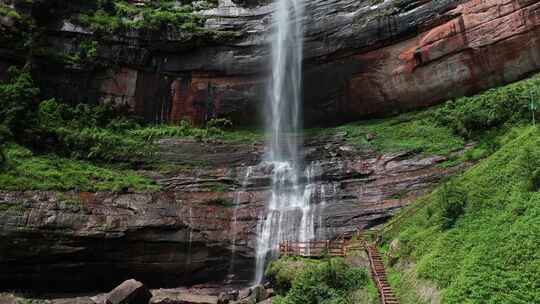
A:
(202, 226)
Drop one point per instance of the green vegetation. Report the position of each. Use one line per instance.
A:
(16, 29)
(6, 11)
(17, 103)
(26, 171)
(482, 118)
(85, 54)
(65, 139)
(215, 129)
(110, 16)
(416, 132)
(476, 236)
(305, 281)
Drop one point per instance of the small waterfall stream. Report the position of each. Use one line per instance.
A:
(234, 229)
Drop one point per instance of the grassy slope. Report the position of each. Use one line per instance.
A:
(490, 254)
(415, 131)
(26, 171)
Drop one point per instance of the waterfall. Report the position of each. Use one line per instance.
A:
(234, 228)
(288, 212)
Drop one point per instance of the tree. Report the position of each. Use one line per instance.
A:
(18, 101)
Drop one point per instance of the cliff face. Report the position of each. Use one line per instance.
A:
(362, 58)
(191, 230)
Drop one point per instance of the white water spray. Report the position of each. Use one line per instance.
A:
(288, 212)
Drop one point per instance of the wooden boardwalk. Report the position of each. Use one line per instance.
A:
(340, 248)
(313, 249)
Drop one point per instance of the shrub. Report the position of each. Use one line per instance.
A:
(452, 201)
(314, 282)
(468, 116)
(219, 123)
(90, 132)
(111, 16)
(18, 101)
(183, 129)
(284, 271)
(529, 164)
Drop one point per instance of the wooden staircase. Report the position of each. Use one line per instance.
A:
(378, 274)
(366, 242)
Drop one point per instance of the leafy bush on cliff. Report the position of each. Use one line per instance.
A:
(489, 253)
(452, 202)
(468, 116)
(6, 11)
(446, 128)
(314, 282)
(183, 129)
(88, 132)
(111, 16)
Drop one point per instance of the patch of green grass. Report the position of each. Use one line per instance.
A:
(483, 118)
(407, 286)
(26, 171)
(366, 295)
(479, 243)
(208, 132)
(416, 132)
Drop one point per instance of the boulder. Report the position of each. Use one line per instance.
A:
(182, 296)
(7, 298)
(244, 293)
(129, 292)
(393, 252)
(224, 298)
(252, 295)
(260, 293)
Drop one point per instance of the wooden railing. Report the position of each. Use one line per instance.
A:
(313, 248)
(363, 240)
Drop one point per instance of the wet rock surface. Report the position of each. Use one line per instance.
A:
(201, 227)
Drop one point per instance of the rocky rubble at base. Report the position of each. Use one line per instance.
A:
(135, 292)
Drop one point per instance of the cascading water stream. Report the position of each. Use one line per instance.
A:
(234, 230)
(288, 212)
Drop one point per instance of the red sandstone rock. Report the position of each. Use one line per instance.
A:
(360, 60)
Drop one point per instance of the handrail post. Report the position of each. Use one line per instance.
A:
(328, 247)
